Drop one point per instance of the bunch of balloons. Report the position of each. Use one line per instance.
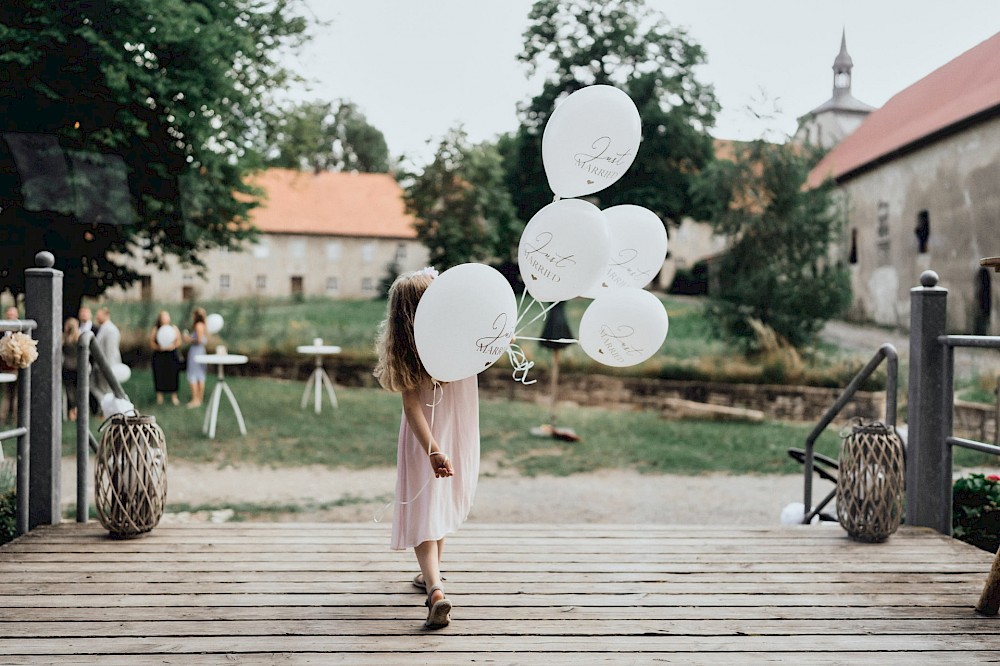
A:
(469, 317)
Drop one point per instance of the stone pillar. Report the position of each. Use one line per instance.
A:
(43, 298)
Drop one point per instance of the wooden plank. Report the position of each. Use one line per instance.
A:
(543, 658)
(492, 613)
(463, 588)
(406, 623)
(444, 641)
(584, 599)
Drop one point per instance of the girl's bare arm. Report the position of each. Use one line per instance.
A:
(413, 410)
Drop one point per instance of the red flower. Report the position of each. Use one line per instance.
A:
(993, 477)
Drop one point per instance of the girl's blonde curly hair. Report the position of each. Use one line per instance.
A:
(399, 368)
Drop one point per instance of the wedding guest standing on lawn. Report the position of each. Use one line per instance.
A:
(438, 448)
(165, 339)
(196, 372)
(70, 347)
(10, 388)
(108, 340)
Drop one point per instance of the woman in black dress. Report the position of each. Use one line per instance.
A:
(165, 339)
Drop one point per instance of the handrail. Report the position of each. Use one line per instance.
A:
(886, 352)
(88, 350)
(22, 432)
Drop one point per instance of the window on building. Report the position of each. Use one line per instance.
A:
(923, 231)
(297, 247)
(367, 285)
(188, 278)
(401, 253)
(853, 256)
(261, 282)
(262, 249)
(333, 251)
(297, 285)
(368, 252)
(146, 288)
(224, 282)
(332, 286)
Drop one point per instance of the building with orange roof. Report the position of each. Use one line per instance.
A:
(322, 234)
(919, 180)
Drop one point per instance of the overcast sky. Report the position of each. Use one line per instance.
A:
(417, 68)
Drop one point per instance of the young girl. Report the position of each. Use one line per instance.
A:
(438, 449)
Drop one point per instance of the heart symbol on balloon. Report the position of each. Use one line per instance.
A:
(590, 182)
(604, 284)
(487, 364)
(600, 351)
(533, 277)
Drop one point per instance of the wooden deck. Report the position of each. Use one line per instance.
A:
(523, 594)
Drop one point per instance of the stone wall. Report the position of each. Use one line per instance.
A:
(787, 403)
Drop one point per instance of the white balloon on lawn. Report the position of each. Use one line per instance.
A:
(166, 336)
(121, 372)
(464, 322)
(638, 249)
(590, 140)
(623, 327)
(214, 323)
(563, 250)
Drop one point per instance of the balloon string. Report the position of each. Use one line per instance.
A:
(435, 401)
(563, 341)
(541, 314)
(522, 313)
(520, 363)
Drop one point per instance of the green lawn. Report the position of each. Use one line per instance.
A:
(363, 431)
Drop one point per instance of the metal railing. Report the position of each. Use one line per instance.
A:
(22, 431)
(885, 353)
(87, 350)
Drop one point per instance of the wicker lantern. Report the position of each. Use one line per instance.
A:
(870, 482)
(131, 475)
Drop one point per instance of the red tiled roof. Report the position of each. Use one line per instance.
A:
(964, 87)
(334, 204)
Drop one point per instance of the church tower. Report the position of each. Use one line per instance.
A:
(830, 122)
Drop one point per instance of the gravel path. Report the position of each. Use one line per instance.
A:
(608, 496)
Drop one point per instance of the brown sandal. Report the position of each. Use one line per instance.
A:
(418, 582)
(438, 613)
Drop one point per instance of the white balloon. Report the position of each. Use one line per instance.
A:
(590, 140)
(213, 323)
(165, 336)
(121, 372)
(638, 249)
(563, 250)
(464, 322)
(624, 327)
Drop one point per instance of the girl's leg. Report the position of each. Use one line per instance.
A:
(430, 566)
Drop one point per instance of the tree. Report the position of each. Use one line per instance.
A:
(317, 137)
(128, 128)
(777, 269)
(624, 44)
(464, 212)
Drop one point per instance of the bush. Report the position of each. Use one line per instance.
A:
(976, 511)
(8, 517)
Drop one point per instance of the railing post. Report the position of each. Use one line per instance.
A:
(43, 289)
(926, 473)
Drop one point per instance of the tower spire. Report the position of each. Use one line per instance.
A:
(842, 66)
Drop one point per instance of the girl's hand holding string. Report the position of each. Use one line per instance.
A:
(441, 464)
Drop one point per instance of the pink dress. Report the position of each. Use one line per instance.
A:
(444, 504)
